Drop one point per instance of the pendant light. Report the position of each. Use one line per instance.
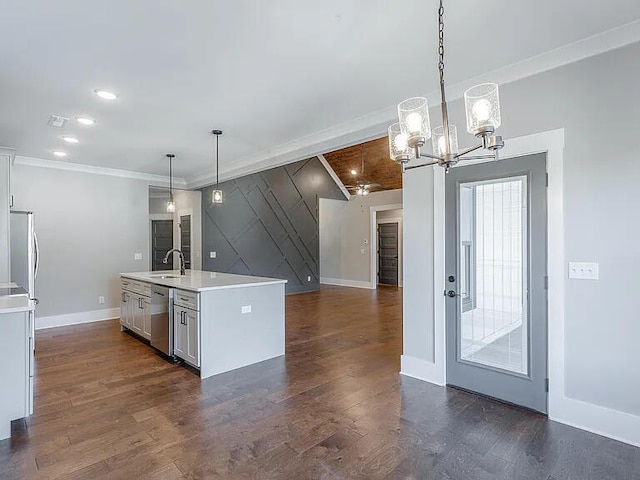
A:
(171, 206)
(408, 136)
(216, 194)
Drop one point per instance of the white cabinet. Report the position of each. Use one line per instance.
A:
(146, 317)
(16, 375)
(186, 327)
(126, 312)
(135, 307)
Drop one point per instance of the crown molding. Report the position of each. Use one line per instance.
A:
(374, 125)
(8, 152)
(93, 170)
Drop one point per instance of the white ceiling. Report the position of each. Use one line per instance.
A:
(270, 74)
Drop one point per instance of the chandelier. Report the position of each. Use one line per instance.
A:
(409, 135)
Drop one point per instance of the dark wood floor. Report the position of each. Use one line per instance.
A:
(335, 407)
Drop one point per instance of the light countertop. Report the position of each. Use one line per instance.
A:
(200, 281)
(15, 303)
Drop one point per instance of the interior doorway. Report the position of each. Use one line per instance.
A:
(161, 243)
(185, 239)
(387, 249)
(388, 254)
(495, 261)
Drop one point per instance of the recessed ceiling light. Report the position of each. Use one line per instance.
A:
(70, 139)
(85, 120)
(105, 95)
(354, 172)
(59, 154)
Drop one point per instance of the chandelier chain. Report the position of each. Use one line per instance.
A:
(441, 41)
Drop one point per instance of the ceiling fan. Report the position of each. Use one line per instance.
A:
(363, 186)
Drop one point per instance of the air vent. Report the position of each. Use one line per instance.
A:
(57, 121)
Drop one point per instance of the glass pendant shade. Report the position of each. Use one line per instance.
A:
(399, 149)
(482, 103)
(216, 196)
(440, 143)
(413, 115)
(171, 206)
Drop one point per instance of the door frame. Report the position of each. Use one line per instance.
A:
(373, 235)
(551, 143)
(382, 221)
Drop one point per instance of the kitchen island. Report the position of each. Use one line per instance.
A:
(220, 321)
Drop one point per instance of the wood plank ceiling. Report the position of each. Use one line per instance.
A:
(378, 167)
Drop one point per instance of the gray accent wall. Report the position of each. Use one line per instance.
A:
(268, 224)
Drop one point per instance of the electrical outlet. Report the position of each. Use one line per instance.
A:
(137, 256)
(212, 254)
(100, 299)
(246, 309)
(362, 251)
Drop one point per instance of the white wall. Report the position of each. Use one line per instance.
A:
(345, 237)
(89, 228)
(596, 101)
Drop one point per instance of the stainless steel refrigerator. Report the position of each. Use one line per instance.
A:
(24, 254)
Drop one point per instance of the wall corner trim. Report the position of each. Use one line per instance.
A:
(341, 282)
(76, 318)
(421, 369)
(334, 176)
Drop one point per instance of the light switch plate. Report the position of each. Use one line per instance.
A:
(212, 254)
(246, 309)
(137, 256)
(584, 271)
(362, 251)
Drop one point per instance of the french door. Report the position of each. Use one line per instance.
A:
(496, 259)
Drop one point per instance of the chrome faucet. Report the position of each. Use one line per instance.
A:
(183, 270)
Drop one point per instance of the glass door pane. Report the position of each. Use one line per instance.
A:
(492, 268)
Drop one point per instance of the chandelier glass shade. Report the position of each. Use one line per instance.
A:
(409, 135)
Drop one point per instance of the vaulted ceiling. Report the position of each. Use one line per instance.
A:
(284, 80)
(378, 167)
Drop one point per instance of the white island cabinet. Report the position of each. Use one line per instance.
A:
(16, 372)
(221, 321)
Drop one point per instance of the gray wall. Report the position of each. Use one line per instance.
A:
(268, 224)
(89, 228)
(596, 101)
(345, 237)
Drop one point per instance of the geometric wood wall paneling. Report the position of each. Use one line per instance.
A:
(268, 224)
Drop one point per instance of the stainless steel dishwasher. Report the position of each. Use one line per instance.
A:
(162, 319)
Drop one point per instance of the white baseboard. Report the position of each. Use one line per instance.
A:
(421, 369)
(615, 424)
(345, 283)
(76, 318)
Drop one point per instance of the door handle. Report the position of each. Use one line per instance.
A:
(452, 294)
